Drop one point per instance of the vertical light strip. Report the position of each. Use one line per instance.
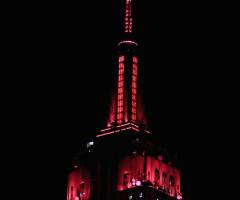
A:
(120, 89)
(134, 89)
(128, 16)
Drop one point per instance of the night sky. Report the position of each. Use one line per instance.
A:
(70, 58)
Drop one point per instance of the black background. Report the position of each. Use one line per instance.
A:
(64, 83)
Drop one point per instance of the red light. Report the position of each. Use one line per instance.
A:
(162, 176)
(128, 16)
(135, 60)
(121, 58)
(123, 125)
(79, 184)
(120, 90)
(134, 89)
(105, 129)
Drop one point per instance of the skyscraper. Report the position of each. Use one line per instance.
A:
(123, 161)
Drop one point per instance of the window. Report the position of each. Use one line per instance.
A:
(82, 187)
(78, 193)
(71, 196)
(164, 180)
(126, 180)
(156, 178)
(172, 186)
(171, 181)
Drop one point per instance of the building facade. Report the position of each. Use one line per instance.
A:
(123, 161)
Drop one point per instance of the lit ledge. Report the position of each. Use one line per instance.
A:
(127, 42)
(120, 128)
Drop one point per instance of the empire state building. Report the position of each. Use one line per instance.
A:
(123, 161)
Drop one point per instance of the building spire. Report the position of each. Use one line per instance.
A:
(126, 111)
(128, 21)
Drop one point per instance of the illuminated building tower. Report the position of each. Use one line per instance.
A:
(123, 162)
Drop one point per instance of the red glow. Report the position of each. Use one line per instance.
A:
(79, 184)
(120, 90)
(128, 17)
(135, 129)
(126, 103)
(122, 127)
(112, 113)
(106, 129)
(130, 168)
(108, 133)
(169, 177)
(162, 176)
(134, 89)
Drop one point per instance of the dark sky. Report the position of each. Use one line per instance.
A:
(69, 51)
